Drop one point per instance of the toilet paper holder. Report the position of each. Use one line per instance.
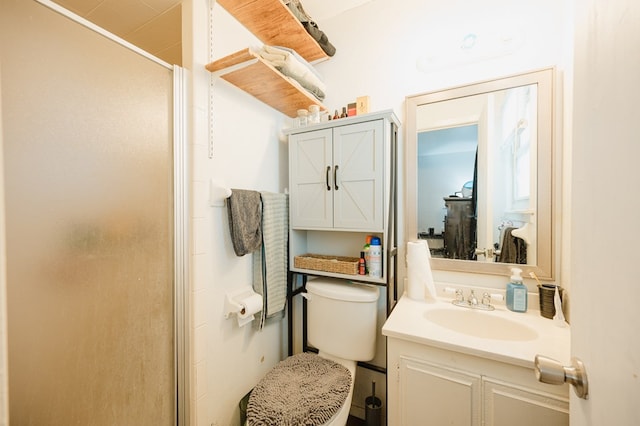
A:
(244, 303)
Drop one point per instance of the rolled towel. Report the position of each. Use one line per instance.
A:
(292, 65)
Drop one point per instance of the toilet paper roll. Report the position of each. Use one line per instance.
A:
(250, 305)
(419, 275)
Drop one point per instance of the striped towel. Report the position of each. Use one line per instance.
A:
(270, 263)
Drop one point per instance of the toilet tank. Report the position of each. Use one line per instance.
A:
(341, 318)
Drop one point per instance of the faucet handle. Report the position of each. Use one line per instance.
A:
(487, 298)
(459, 297)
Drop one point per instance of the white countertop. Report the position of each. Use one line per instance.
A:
(408, 322)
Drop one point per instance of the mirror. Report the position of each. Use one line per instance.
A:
(479, 174)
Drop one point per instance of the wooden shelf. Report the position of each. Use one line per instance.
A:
(274, 24)
(255, 76)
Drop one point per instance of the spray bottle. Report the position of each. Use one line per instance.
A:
(375, 258)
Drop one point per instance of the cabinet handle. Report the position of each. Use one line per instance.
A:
(335, 177)
(327, 178)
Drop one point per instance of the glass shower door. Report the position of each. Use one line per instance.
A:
(87, 130)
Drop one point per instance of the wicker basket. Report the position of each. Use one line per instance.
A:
(319, 262)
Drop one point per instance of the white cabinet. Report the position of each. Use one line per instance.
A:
(431, 394)
(429, 385)
(336, 177)
(342, 179)
(506, 404)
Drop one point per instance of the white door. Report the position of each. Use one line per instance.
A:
(605, 224)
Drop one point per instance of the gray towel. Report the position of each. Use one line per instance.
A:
(513, 249)
(270, 263)
(245, 216)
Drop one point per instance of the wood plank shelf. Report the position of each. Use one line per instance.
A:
(272, 22)
(257, 77)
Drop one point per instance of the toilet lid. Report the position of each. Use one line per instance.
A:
(304, 389)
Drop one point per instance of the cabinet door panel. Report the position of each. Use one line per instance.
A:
(507, 405)
(311, 203)
(433, 395)
(358, 163)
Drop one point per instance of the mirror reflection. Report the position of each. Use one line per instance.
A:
(448, 181)
(479, 173)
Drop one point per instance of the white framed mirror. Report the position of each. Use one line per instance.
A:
(479, 174)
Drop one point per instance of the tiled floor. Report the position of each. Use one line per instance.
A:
(354, 421)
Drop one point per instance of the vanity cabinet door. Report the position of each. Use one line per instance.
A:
(506, 405)
(430, 394)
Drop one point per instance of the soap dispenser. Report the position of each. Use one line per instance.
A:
(516, 292)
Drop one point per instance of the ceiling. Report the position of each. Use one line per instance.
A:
(152, 25)
(156, 25)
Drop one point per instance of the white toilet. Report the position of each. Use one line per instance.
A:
(308, 388)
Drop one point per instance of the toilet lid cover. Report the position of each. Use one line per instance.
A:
(304, 389)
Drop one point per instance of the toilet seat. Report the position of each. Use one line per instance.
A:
(302, 389)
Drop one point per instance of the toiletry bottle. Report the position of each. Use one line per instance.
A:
(361, 264)
(367, 260)
(375, 258)
(516, 292)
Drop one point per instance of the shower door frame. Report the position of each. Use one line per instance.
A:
(180, 213)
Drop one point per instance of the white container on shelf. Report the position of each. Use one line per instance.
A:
(314, 114)
(375, 258)
(302, 119)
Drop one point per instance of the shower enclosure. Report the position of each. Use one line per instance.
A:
(88, 132)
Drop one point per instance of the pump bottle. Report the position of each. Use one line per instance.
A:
(516, 292)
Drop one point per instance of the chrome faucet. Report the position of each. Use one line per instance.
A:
(472, 301)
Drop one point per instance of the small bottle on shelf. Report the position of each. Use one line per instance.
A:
(367, 243)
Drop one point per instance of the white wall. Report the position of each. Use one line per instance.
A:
(226, 361)
(378, 45)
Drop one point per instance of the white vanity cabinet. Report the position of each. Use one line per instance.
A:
(429, 385)
(342, 182)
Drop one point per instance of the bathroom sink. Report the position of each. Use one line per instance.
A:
(481, 324)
